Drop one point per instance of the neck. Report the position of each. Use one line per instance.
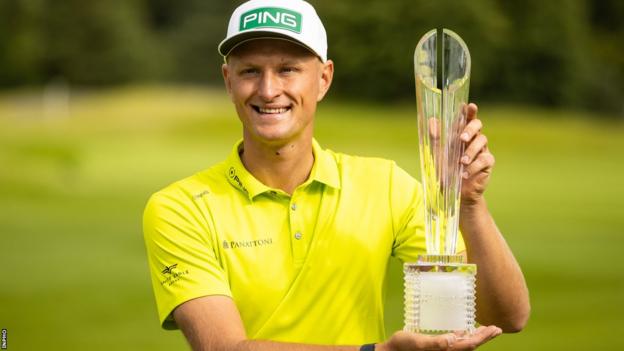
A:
(280, 166)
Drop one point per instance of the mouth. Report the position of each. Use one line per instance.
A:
(271, 110)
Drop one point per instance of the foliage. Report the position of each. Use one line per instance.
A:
(556, 53)
(103, 42)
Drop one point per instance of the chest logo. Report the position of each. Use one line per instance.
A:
(236, 179)
(232, 244)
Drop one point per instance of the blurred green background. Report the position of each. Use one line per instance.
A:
(552, 53)
(103, 103)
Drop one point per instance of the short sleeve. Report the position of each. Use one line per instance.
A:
(408, 215)
(182, 260)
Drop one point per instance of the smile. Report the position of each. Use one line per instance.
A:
(273, 110)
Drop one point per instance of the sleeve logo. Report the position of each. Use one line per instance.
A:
(173, 274)
(169, 269)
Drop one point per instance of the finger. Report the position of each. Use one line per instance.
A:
(479, 337)
(438, 342)
(450, 340)
(488, 333)
(471, 112)
(497, 331)
(478, 144)
(472, 128)
(484, 162)
(465, 334)
(434, 128)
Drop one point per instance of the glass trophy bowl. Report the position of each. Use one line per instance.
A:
(440, 286)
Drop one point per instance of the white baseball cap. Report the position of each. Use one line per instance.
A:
(292, 20)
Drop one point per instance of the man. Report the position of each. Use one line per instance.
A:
(284, 245)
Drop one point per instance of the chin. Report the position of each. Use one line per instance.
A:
(272, 137)
(273, 133)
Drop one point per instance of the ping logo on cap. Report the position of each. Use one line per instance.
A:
(271, 17)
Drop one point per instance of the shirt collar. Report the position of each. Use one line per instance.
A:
(324, 170)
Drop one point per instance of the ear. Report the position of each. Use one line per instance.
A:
(226, 71)
(325, 80)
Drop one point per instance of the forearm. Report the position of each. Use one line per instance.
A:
(265, 345)
(212, 323)
(502, 294)
(204, 339)
(202, 342)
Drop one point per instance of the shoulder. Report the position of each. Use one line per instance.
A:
(348, 161)
(180, 211)
(191, 188)
(371, 169)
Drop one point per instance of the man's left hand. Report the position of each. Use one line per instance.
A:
(477, 159)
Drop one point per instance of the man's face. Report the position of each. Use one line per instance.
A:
(275, 86)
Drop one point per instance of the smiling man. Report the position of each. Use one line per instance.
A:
(284, 245)
(275, 86)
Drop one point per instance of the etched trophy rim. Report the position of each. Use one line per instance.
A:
(419, 74)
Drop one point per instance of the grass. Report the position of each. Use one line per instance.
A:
(75, 178)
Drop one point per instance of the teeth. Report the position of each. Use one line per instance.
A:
(272, 110)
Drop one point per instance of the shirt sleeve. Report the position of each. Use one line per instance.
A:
(408, 215)
(182, 260)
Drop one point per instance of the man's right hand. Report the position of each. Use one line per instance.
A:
(406, 341)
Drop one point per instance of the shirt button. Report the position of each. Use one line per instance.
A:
(298, 235)
(294, 207)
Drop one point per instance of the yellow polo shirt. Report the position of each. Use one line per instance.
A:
(306, 268)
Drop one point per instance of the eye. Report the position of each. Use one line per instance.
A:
(249, 71)
(289, 69)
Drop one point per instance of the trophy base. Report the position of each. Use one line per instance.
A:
(439, 295)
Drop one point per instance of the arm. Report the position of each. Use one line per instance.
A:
(502, 294)
(213, 323)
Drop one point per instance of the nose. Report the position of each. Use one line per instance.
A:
(270, 86)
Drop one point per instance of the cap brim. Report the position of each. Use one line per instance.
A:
(229, 44)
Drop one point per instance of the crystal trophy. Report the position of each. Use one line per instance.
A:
(440, 286)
